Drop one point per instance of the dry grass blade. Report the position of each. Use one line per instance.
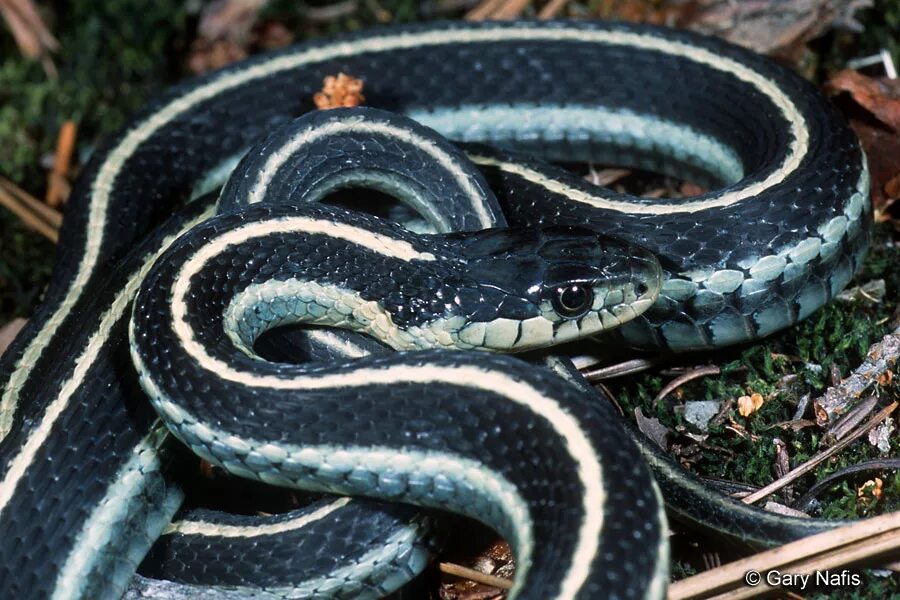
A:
(52, 216)
(839, 547)
(812, 463)
(30, 210)
(878, 465)
(476, 576)
(31, 33)
(511, 9)
(682, 379)
(497, 9)
(552, 9)
(848, 423)
(483, 10)
(627, 367)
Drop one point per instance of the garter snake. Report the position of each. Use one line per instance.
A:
(84, 490)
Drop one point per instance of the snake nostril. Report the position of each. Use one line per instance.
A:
(642, 288)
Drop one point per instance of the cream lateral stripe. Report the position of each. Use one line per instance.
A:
(357, 125)
(339, 580)
(328, 338)
(104, 184)
(638, 208)
(373, 458)
(100, 527)
(579, 447)
(581, 450)
(375, 242)
(36, 438)
(249, 531)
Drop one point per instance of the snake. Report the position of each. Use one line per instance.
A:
(194, 239)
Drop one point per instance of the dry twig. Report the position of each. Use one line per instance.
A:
(837, 400)
(330, 12)
(628, 367)
(684, 378)
(839, 547)
(476, 576)
(879, 465)
(809, 465)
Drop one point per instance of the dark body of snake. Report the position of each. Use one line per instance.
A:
(85, 490)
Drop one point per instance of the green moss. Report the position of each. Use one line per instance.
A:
(742, 448)
(113, 56)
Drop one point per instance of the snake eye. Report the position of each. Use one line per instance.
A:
(573, 300)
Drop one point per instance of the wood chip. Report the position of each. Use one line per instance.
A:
(8, 333)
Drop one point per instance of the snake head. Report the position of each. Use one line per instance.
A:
(535, 287)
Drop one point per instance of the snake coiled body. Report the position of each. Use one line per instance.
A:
(84, 489)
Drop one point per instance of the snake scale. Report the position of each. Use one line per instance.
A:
(194, 237)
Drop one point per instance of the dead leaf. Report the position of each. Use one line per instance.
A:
(229, 19)
(272, 35)
(207, 55)
(652, 428)
(871, 292)
(873, 108)
(781, 509)
(689, 188)
(780, 27)
(782, 464)
(880, 97)
(639, 11)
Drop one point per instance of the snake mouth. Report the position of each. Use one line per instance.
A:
(598, 299)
